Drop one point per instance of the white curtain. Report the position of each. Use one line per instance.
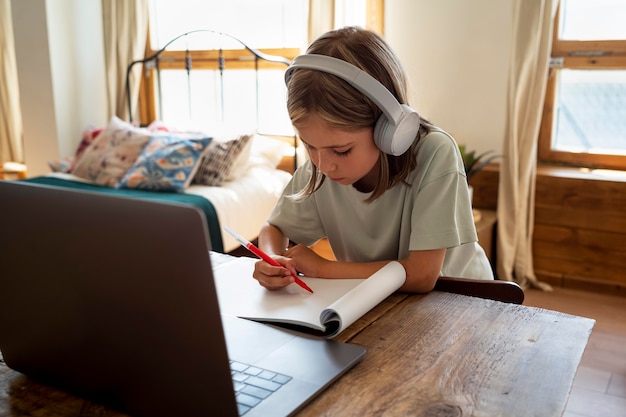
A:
(528, 71)
(325, 15)
(11, 145)
(125, 26)
(321, 17)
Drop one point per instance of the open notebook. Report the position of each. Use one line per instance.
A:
(334, 305)
(113, 299)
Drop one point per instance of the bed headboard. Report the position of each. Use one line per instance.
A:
(156, 60)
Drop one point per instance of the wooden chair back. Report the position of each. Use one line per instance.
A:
(505, 291)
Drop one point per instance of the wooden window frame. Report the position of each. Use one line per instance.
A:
(202, 59)
(578, 55)
(234, 59)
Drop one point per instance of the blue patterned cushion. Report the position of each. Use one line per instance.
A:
(167, 163)
(112, 153)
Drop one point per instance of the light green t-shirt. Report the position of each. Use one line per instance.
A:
(434, 212)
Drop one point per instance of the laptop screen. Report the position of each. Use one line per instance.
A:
(113, 299)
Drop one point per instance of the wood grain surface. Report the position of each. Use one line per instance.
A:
(452, 355)
(439, 354)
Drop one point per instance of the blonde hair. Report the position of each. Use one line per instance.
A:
(342, 106)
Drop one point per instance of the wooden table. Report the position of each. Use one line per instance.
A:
(428, 355)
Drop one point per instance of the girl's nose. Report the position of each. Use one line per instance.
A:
(325, 165)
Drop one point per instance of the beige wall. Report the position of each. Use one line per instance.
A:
(60, 63)
(456, 53)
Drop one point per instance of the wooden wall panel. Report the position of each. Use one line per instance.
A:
(593, 239)
(485, 185)
(596, 264)
(580, 219)
(579, 238)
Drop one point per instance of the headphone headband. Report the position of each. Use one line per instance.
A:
(396, 128)
(358, 78)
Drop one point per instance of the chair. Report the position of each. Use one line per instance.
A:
(505, 291)
(12, 170)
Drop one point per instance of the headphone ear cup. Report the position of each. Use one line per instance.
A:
(398, 125)
(383, 134)
(396, 140)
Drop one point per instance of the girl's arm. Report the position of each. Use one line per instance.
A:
(422, 267)
(422, 270)
(271, 240)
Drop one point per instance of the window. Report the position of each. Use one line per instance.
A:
(584, 117)
(205, 97)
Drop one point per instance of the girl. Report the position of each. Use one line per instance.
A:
(381, 183)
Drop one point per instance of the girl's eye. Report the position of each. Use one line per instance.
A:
(343, 153)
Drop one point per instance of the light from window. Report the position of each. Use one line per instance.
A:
(585, 112)
(591, 114)
(586, 20)
(350, 12)
(260, 24)
(206, 98)
(210, 100)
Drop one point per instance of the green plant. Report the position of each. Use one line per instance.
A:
(474, 163)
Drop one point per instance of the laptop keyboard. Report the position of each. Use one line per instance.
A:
(253, 384)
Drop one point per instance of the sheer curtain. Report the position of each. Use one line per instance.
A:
(528, 71)
(11, 145)
(125, 26)
(325, 15)
(321, 17)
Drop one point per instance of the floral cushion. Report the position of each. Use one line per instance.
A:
(167, 163)
(112, 153)
(90, 134)
(68, 163)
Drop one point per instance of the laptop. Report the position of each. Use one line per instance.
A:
(113, 299)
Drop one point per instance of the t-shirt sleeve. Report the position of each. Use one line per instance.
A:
(441, 216)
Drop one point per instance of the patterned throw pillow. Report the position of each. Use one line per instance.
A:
(90, 134)
(67, 163)
(217, 163)
(112, 153)
(61, 165)
(167, 163)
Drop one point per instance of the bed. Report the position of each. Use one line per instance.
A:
(234, 177)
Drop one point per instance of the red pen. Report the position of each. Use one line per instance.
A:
(258, 252)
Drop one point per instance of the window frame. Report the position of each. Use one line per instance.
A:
(568, 54)
(234, 59)
(202, 59)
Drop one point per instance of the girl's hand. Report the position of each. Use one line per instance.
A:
(303, 259)
(299, 258)
(273, 277)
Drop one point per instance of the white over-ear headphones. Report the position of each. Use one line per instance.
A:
(396, 128)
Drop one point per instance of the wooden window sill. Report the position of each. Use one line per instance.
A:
(581, 173)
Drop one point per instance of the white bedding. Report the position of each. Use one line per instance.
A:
(245, 204)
